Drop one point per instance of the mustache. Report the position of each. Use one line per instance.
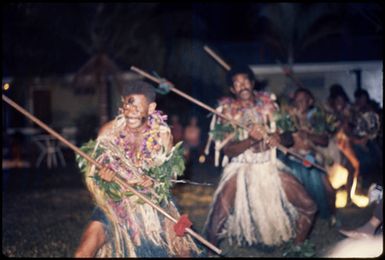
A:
(244, 90)
(142, 118)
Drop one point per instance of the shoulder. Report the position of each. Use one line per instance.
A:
(267, 99)
(266, 96)
(225, 101)
(106, 128)
(165, 133)
(157, 122)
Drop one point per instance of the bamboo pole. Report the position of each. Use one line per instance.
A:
(177, 91)
(118, 180)
(199, 103)
(289, 73)
(216, 57)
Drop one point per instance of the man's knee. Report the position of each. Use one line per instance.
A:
(93, 238)
(312, 207)
(297, 194)
(229, 190)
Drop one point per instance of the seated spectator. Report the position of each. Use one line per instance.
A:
(365, 126)
(311, 131)
(340, 106)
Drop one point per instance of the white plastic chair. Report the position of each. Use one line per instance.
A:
(49, 149)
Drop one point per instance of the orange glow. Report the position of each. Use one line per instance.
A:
(6, 86)
(341, 199)
(338, 177)
(202, 158)
(358, 199)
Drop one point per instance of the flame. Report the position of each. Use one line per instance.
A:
(358, 199)
(341, 199)
(338, 177)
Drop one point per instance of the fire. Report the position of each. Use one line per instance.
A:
(341, 199)
(338, 176)
(360, 200)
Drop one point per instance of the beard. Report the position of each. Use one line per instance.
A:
(244, 94)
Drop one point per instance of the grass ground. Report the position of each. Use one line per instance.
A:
(44, 213)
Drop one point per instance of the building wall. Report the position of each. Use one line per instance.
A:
(65, 104)
(319, 77)
(71, 111)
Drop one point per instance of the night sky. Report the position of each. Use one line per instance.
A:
(42, 39)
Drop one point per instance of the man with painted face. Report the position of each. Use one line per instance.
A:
(256, 202)
(137, 146)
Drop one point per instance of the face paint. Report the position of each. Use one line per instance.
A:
(130, 100)
(135, 109)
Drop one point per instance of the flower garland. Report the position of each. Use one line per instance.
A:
(263, 103)
(317, 121)
(150, 147)
(150, 159)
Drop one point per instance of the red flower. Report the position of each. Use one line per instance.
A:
(181, 225)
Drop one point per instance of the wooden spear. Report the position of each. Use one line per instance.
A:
(227, 67)
(117, 178)
(216, 57)
(289, 73)
(199, 103)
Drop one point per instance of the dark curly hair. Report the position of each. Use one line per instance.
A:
(361, 93)
(303, 90)
(336, 90)
(139, 87)
(239, 69)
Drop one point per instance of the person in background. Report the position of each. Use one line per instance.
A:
(176, 129)
(338, 104)
(311, 132)
(365, 130)
(192, 139)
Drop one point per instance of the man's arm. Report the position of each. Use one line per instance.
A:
(286, 139)
(318, 139)
(256, 136)
(235, 148)
(108, 175)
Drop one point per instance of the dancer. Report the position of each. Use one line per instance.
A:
(255, 201)
(137, 146)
